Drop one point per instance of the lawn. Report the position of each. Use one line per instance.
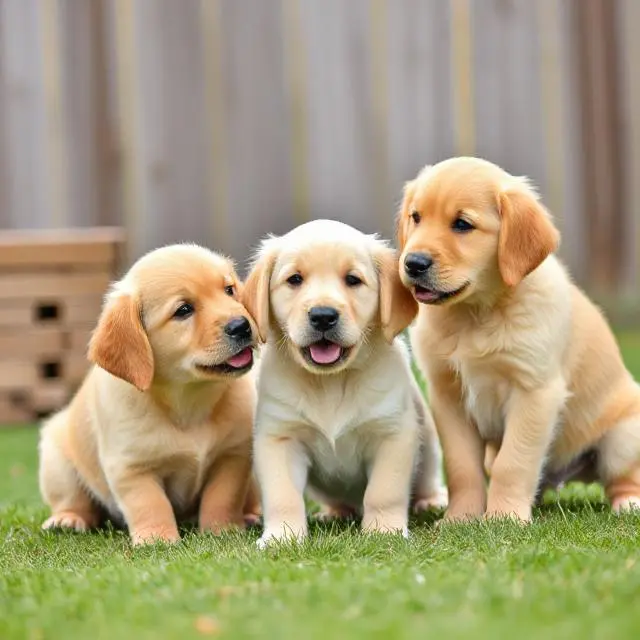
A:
(573, 573)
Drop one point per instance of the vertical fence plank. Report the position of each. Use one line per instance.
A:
(421, 102)
(379, 126)
(104, 151)
(55, 105)
(341, 118)
(462, 44)
(88, 150)
(295, 76)
(126, 89)
(258, 124)
(108, 135)
(80, 107)
(550, 81)
(215, 123)
(4, 161)
(27, 184)
(561, 63)
(629, 54)
(599, 90)
(507, 80)
(173, 148)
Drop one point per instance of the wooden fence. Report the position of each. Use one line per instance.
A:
(220, 120)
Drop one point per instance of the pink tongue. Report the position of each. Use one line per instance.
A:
(424, 295)
(241, 359)
(325, 353)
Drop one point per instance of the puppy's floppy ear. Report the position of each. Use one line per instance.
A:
(527, 234)
(256, 294)
(398, 307)
(402, 218)
(119, 343)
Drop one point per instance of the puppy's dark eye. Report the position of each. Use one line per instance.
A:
(229, 290)
(460, 225)
(183, 311)
(416, 217)
(352, 281)
(295, 280)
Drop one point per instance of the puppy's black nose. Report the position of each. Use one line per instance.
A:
(417, 264)
(323, 318)
(238, 328)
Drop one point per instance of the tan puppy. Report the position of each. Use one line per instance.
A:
(515, 354)
(162, 425)
(338, 410)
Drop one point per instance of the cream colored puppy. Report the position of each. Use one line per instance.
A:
(338, 411)
(515, 354)
(162, 425)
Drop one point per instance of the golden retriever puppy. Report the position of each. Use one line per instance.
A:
(339, 411)
(162, 425)
(515, 354)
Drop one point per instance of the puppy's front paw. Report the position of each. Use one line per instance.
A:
(518, 513)
(221, 522)
(436, 500)
(264, 540)
(151, 536)
(625, 504)
(387, 530)
(66, 520)
(460, 515)
(397, 525)
(280, 534)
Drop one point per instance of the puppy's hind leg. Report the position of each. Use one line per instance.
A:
(329, 508)
(252, 510)
(329, 512)
(71, 505)
(429, 489)
(619, 462)
(491, 450)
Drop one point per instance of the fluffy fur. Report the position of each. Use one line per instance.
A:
(161, 426)
(354, 430)
(515, 354)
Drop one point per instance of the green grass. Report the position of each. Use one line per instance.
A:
(573, 573)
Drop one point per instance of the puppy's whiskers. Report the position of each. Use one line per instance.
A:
(282, 342)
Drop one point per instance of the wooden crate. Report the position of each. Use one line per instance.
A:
(51, 288)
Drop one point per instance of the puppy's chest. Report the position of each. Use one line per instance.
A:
(485, 397)
(341, 439)
(339, 469)
(186, 465)
(486, 379)
(343, 412)
(493, 353)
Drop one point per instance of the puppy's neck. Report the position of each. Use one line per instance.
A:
(188, 404)
(484, 302)
(496, 296)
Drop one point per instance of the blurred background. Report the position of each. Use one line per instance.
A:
(218, 121)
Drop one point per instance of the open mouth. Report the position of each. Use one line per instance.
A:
(238, 363)
(432, 296)
(325, 353)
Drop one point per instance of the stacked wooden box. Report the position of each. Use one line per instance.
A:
(51, 288)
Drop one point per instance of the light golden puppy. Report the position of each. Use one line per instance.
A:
(162, 425)
(515, 354)
(338, 409)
